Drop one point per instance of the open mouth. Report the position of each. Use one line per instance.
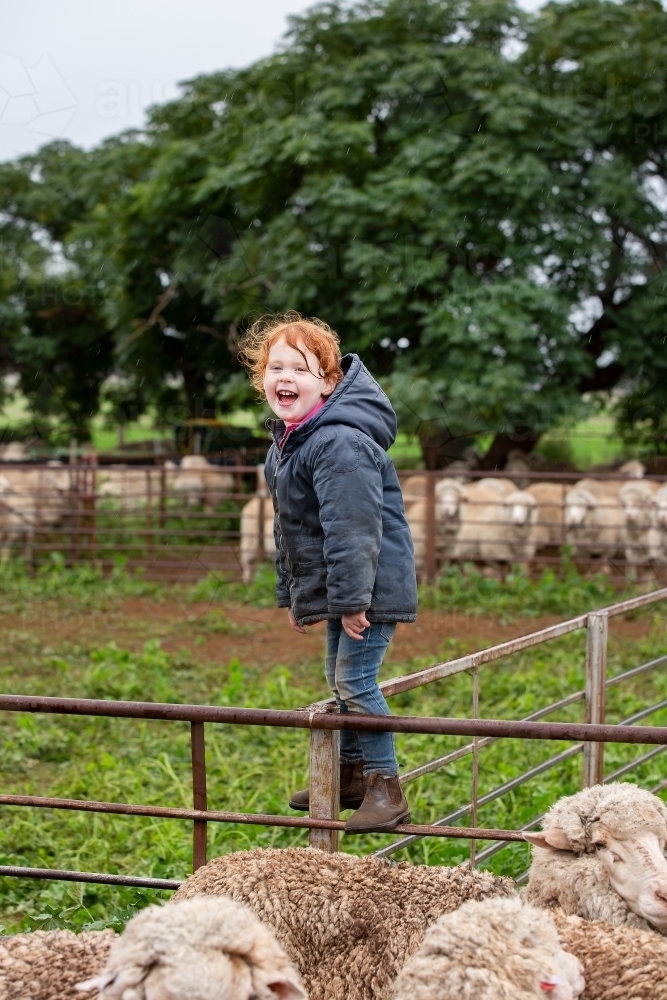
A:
(286, 396)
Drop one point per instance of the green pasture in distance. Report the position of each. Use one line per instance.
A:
(253, 769)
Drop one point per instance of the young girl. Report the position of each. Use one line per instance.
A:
(344, 550)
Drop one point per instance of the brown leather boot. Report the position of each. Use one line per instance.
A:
(383, 808)
(351, 789)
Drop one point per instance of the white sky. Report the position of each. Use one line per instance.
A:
(85, 69)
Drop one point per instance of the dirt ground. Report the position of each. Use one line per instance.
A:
(262, 637)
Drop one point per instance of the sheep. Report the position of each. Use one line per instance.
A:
(413, 488)
(483, 518)
(633, 469)
(548, 528)
(15, 451)
(449, 496)
(135, 488)
(635, 499)
(46, 965)
(658, 532)
(594, 520)
(17, 517)
(198, 481)
(347, 923)
(498, 949)
(30, 499)
(600, 856)
(512, 540)
(206, 948)
(620, 963)
(257, 539)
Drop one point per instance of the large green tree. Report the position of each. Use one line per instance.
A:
(473, 197)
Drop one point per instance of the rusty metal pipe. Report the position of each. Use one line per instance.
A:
(434, 726)
(254, 819)
(95, 877)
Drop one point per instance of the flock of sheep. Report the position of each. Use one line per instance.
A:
(297, 923)
(493, 523)
(39, 498)
(488, 521)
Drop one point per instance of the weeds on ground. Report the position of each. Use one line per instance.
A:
(564, 593)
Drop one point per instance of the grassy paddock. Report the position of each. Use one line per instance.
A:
(255, 769)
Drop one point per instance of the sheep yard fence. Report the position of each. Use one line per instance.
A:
(325, 725)
(178, 523)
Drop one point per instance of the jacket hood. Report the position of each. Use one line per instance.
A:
(357, 401)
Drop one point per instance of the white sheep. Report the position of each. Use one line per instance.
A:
(206, 948)
(347, 923)
(594, 520)
(30, 499)
(498, 949)
(257, 539)
(197, 482)
(658, 533)
(449, 496)
(134, 488)
(484, 519)
(600, 856)
(512, 539)
(635, 498)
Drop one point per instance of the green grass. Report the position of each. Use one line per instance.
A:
(564, 593)
(253, 768)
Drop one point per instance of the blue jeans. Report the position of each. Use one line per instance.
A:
(352, 668)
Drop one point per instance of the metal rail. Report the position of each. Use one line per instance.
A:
(324, 824)
(427, 725)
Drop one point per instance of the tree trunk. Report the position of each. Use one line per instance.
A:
(503, 444)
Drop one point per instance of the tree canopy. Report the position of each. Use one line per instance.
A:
(472, 196)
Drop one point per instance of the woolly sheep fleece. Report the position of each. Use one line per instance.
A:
(577, 881)
(46, 965)
(620, 963)
(199, 949)
(499, 949)
(347, 923)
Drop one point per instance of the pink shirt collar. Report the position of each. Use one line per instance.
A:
(297, 423)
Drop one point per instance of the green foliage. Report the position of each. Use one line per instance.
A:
(480, 184)
(565, 593)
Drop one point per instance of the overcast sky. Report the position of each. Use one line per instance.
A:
(85, 69)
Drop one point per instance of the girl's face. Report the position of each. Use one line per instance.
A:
(292, 390)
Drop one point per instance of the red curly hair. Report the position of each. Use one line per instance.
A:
(312, 335)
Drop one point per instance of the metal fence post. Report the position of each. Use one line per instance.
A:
(475, 765)
(198, 793)
(597, 630)
(430, 553)
(324, 786)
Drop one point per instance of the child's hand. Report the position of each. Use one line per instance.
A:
(293, 622)
(354, 625)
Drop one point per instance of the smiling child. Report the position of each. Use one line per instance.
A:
(344, 550)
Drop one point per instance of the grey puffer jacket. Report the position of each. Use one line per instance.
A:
(343, 544)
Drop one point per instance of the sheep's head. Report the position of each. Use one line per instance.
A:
(448, 496)
(635, 498)
(579, 502)
(522, 509)
(498, 947)
(205, 948)
(625, 827)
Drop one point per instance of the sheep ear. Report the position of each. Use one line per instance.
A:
(287, 989)
(554, 840)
